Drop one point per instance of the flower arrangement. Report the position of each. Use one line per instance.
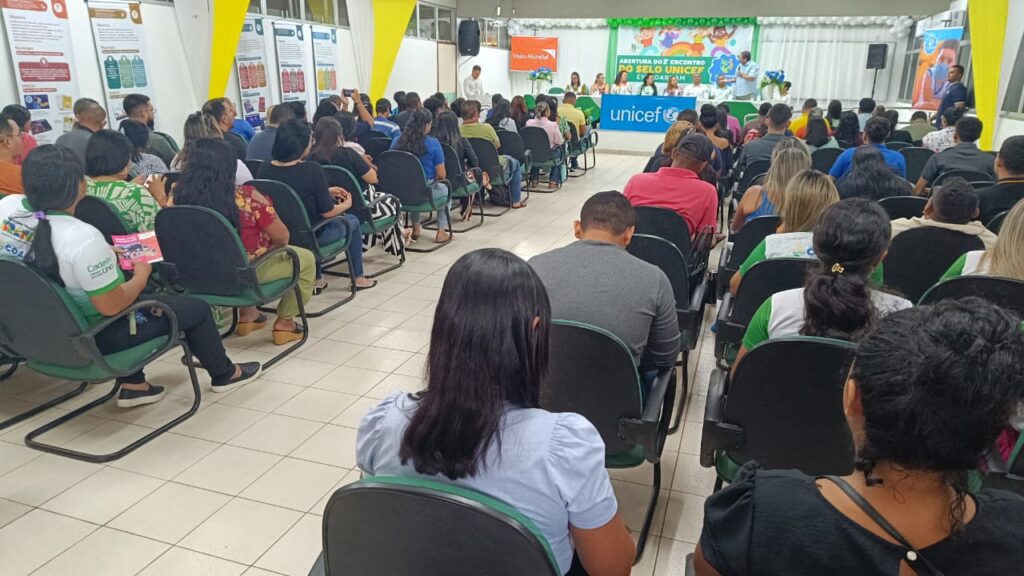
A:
(542, 74)
(773, 78)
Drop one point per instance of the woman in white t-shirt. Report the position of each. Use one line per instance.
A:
(1005, 259)
(838, 301)
(621, 85)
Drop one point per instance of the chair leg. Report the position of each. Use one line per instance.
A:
(503, 210)
(652, 505)
(718, 483)
(401, 259)
(31, 442)
(436, 246)
(234, 324)
(14, 362)
(466, 228)
(43, 407)
(305, 332)
(685, 363)
(333, 305)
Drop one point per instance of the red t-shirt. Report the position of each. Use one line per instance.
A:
(677, 189)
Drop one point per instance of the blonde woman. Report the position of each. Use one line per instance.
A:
(789, 157)
(805, 198)
(673, 88)
(201, 125)
(600, 86)
(1005, 259)
(663, 155)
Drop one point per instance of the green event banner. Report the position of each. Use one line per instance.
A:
(683, 52)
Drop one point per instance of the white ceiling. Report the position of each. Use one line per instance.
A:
(696, 8)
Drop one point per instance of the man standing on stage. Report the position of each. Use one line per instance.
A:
(746, 78)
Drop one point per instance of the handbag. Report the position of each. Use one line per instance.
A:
(913, 556)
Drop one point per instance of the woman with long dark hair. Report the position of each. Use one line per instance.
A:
(415, 139)
(648, 87)
(501, 117)
(325, 109)
(40, 229)
(446, 130)
(848, 131)
(834, 112)
(872, 178)
(621, 84)
(200, 125)
(575, 85)
(927, 394)
(478, 423)
(818, 135)
(518, 112)
(143, 163)
(208, 181)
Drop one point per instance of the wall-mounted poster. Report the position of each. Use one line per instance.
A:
(292, 70)
(682, 52)
(251, 68)
(531, 52)
(325, 58)
(117, 30)
(40, 43)
(939, 50)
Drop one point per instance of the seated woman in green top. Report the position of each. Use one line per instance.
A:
(575, 86)
(805, 198)
(837, 301)
(108, 159)
(1005, 259)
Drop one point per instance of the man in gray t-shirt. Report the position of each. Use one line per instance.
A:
(595, 281)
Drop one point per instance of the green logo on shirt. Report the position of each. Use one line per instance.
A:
(100, 268)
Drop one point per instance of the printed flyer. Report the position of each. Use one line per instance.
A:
(325, 58)
(117, 30)
(40, 41)
(292, 56)
(251, 68)
(682, 52)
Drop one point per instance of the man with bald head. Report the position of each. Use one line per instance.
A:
(89, 117)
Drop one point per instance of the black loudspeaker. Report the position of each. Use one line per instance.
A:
(876, 56)
(469, 38)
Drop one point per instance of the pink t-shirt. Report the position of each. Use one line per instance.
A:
(677, 189)
(554, 134)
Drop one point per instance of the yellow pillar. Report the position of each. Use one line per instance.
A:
(390, 19)
(226, 28)
(988, 31)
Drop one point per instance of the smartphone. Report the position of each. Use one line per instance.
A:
(346, 93)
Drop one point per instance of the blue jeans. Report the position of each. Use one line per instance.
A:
(437, 191)
(514, 177)
(555, 174)
(333, 232)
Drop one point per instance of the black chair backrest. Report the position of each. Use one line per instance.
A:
(291, 211)
(969, 175)
(204, 250)
(787, 395)
(667, 257)
(511, 144)
(980, 184)
(592, 373)
(401, 174)
(667, 224)
(901, 136)
(751, 171)
(574, 133)
(535, 139)
(454, 168)
(916, 158)
(764, 279)
(102, 216)
(30, 302)
(254, 167)
(903, 206)
(897, 145)
(1004, 292)
(824, 158)
(487, 155)
(919, 257)
(844, 144)
(744, 241)
(996, 223)
(375, 146)
(379, 527)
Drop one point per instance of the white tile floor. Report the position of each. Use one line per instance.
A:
(240, 487)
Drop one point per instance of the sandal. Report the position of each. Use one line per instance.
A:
(358, 288)
(246, 328)
(415, 232)
(282, 337)
(519, 205)
(319, 288)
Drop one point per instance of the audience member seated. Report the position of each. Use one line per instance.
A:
(329, 150)
(730, 126)
(678, 188)
(519, 114)
(711, 126)
(568, 110)
(491, 436)
(382, 121)
(433, 104)
(927, 394)
(416, 140)
(143, 163)
(848, 132)
(471, 127)
(289, 165)
(761, 149)
(208, 181)
(299, 109)
(542, 119)
(799, 125)
(663, 154)
(838, 299)
(224, 113)
(834, 113)
(199, 125)
(89, 117)
(501, 117)
(807, 195)
(953, 206)
(870, 177)
(241, 128)
(919, 126)
(595, 281)
(817, 134)
(446, 130)
(23, 118)
(350, 131)
(108, 158)
(1004, 259)
(875, 133)
(327, 108)
(894, 120)
(11, 150)
(1009, 190)
(757, 123)
(964, 155)
(399, 97)
(139, 108)
(865, 111)
(944, 138)
(40, 228)
(789, 158)
(261, 144)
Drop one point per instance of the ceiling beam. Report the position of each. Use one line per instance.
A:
(693, 8)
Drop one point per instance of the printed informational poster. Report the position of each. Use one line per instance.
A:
(325, 58)
(40, 43)
(939, 50)
(682, 52)
(117, 30)
(292, 58)
(251, 66)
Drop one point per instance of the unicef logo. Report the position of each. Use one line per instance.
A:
(930, 42)
(670, 114)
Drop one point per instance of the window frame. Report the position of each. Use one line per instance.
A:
(416, 15)
(302, 17)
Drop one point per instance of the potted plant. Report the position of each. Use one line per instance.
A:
(542, 74)
(771, 81)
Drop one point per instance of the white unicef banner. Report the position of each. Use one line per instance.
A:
(292, 61)
(40, 41)
(117, 31)
(251, 65)
(325, 58)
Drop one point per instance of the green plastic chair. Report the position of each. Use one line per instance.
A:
(389, 525)
(462, 185)
(302, 233)
(41, 324)
(579, 147)
(490, 162)
(368, 225)
(592, 373)
(204, 258)
(402, 174)
(531, 101)
(1010, 475)
(590, 108)
(556, 90)
(535, 139)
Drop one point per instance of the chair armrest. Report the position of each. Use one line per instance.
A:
(725, 309)
(447, 184)
(652, 426)
(593, 138)
(87, 339)
(139, 305)
(326, 221)
(292, 254)
(714, 410)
